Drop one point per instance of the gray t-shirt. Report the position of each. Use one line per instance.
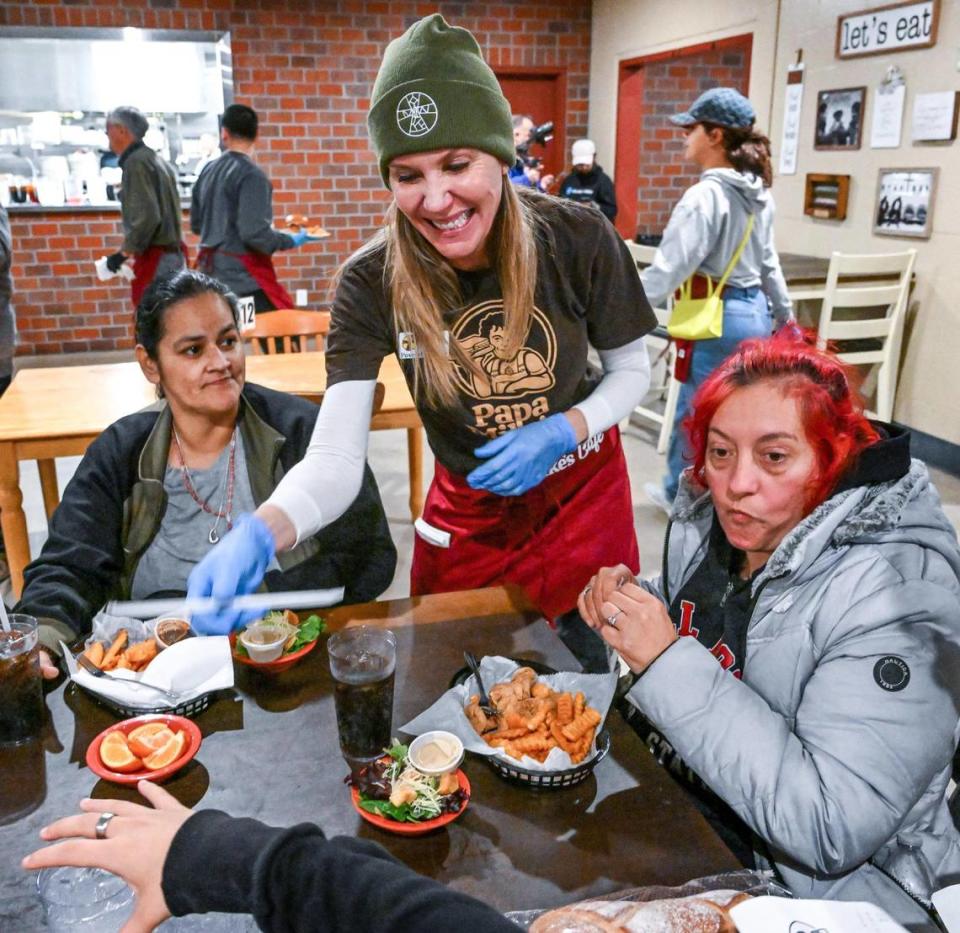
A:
(184, 535)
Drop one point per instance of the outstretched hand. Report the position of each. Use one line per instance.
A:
(137, 841)
(521, 458)
(234, 567)
(628, 618)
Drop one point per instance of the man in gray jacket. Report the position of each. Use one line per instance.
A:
(232, 211)
(149, 204)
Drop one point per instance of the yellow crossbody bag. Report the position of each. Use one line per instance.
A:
(702, 318)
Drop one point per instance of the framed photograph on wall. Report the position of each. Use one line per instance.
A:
(840, 118)
(904, 205)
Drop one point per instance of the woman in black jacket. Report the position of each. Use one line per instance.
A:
(158, 488)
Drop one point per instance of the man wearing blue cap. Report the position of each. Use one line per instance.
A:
(710, 231)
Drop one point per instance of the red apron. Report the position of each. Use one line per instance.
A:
(549, 541)
(145, 269)
(260, 268)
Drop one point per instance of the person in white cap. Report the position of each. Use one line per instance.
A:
(588, 183)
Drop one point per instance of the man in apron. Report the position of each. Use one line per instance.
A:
(149, 204)
(232, 211)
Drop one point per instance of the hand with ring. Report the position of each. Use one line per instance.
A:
(125, 838)
(632, 621)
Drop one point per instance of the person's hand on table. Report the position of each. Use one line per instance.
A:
(135, 847)
(520, 459)
(48, 667)
(629, 619)
(234, 567)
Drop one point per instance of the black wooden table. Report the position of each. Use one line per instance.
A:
(270, 751)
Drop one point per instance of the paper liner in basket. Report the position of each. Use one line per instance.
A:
(447, 713)
(189, 668)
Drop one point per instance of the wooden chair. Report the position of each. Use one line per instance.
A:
(864, 305)
(277, 330)
(668, 388)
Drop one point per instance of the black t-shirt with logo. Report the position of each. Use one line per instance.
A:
(588, 293)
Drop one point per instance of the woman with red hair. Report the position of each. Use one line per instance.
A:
(797, 663)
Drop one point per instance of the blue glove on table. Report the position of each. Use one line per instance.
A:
(234, 567)
(521, 458)
(300, 237)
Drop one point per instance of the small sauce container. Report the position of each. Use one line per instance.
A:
(435, 753)
(263, 643)
(169, 631)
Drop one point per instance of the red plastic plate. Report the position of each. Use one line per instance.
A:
(411, 829)
(176, 723)
(278, 665)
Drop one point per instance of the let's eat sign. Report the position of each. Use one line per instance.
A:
(893, 28)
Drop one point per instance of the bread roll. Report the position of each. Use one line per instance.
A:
(699, 913)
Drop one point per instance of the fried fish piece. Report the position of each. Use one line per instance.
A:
(480, 721)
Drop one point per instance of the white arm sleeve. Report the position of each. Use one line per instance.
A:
(626, 378)
(323, 485)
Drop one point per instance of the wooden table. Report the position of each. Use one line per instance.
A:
(59, 411)
(270, 750)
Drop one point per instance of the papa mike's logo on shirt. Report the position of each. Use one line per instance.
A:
(502, 378)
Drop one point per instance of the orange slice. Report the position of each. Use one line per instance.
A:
(116, 755)
(149, 738)
(168, 753)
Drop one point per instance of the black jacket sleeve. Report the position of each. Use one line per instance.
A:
(606, 197)
(82, 559)
(295, 879)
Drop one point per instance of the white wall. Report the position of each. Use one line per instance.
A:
(928, 397)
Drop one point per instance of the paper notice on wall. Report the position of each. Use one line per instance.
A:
(888, 116)
(784, 915)
(935, 116)
(791, 121)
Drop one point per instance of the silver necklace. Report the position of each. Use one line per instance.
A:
(227, 486)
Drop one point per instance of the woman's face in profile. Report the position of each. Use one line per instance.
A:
(451, 196)
(759, 467)
(200, 363)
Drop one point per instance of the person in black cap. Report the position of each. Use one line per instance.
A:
(710, 230)
(232, 211)
(490, 296)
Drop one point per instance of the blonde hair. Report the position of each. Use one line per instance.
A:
(423, 285)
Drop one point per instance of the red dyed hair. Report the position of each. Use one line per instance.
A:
(831, 411)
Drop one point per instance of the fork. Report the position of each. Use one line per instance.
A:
(91, 668)
(485, 704)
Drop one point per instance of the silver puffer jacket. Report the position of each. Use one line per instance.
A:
(836, 746)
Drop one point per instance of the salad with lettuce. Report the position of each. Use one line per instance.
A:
(299, 634)
(392, 788)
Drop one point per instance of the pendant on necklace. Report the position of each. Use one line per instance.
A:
(213, 537)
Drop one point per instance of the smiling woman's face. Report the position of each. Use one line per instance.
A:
(451, 197)
(759, 467)
(199, 363)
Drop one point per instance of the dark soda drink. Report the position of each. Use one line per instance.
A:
(21, 693)
(364, 718)
(363, 660)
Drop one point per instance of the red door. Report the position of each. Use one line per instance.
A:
(541, 94)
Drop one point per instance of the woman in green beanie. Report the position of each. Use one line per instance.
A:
(490, 298)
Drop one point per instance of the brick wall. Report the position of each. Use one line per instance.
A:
(307, 69)
(670, 86)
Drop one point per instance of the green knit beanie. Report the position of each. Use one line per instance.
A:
(435, 91)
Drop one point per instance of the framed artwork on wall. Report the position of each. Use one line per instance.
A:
(904, 205)
(840, 118)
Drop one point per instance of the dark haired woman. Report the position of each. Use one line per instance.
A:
(800, 651)
(159, 488)
(705, 230)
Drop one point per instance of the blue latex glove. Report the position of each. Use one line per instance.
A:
(300, 237)
(521, 458)
(234, 567)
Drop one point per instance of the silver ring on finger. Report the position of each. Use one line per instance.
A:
(587, 588)
(100, 830)
(612, 620)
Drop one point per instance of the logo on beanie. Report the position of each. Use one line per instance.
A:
(416, 114)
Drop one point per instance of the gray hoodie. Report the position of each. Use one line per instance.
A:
(704, 231)
(838, 765)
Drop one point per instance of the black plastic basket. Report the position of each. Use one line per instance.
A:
(189, 708)
(551, 780)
